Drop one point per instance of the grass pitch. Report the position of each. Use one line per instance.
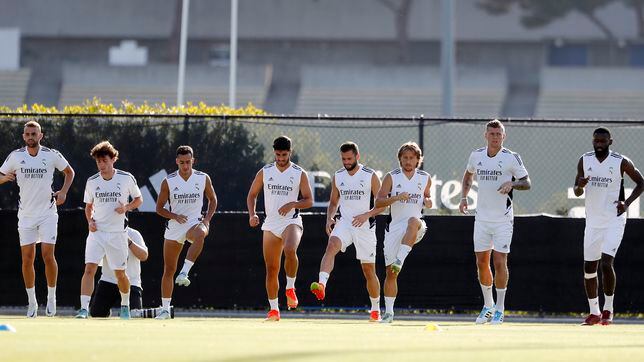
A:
(229, 339)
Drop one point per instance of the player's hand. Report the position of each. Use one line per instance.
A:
(462, 207)
(505, 188)
(91, 224)
(403, 196)
(621, 207)
(181, 219)
(253, 220)
(330, 224)
(428, 203)
(10, 177)
(358, 220)
(121, 209)
(285, 209)
(582, 181)
(60, 197)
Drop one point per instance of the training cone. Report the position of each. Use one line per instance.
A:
(433, 327)
(7, 328)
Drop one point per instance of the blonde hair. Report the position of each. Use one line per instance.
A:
(33, 124)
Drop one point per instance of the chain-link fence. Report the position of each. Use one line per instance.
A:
(232, 149)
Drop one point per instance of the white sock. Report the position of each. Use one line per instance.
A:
(274, 304)
(608, 302)
(594, 306)
(290, 282)
(85, 301)
(51, 293)
(389, 304)
(31, 295)
(323, 278)
(165, 303)
(500, 299)
(125, 298)
(488, 299)
(187, 264)
(375, 304)
(403, 252)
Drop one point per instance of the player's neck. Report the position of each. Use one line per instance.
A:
(185, 175)
(492, 151)
(354, 170)
(409, 174)
(108, 174)
(601, 156)
(33, 151)
(283, 168)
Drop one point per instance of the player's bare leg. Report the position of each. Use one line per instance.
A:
(51, 273)
(171, 251)
(272, 249)
(501, 277)
(591, 282)
(28, 254)
(390, 291)
(87, 287)
(291, 237)
(124, 288)
(326, 267)
(609, 279)
(197, 236)
(485, 280)
(373, 287)
(407, 243)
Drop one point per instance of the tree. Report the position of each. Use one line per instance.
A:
(401, 10)
(539, 13)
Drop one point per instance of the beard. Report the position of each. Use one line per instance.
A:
(351, 167)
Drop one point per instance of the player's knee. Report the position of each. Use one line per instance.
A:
(48, 258)
(413, 224)
(368, 269)
(272, 270)
(290, 251)
(334, 245)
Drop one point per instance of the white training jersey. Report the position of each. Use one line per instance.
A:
(355, 193)
(415, 186)
(281, 188)
(491, 173)
(604, 188)
(186, 196)
(133, 268)
(34, 175)
(106, 195)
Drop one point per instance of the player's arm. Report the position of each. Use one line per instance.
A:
(212, 202)
(251, 199)
(61, 195)
(629, 168)
(334, 201)
(304, 203)
(521, 184)
(383, 198)
(135, 203)
(139, 251)
(7, 172)
(89, 210)
(467, 182)
(358, 220)
(580, 180)
(427, 196)
(164, 195)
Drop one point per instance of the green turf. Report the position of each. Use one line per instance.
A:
(207, 339)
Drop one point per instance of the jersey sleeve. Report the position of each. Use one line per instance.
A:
(88, 197)
(470, 163)
(134, 188)
(59, 161)
(518, 170)
(136, 237)
(8, 165)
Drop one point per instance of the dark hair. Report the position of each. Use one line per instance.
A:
(185, 150)
(413, 147)
(602, 130)
(495, 123)
(349, 146)
(104, 148)
(282, 143)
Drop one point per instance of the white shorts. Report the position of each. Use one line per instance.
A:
(598, 241)
(393, 239)
(363, 239)
(38, 229)
(277, 225)
(111, 245)
(495, 236)
(177, 232)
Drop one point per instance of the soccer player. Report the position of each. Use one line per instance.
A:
(184, 190)
(498, 171)
(406, 190)
(601, 173)
(353, 188)
(106, 205)
(32, 167)
(107, 291)
(282, 181)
